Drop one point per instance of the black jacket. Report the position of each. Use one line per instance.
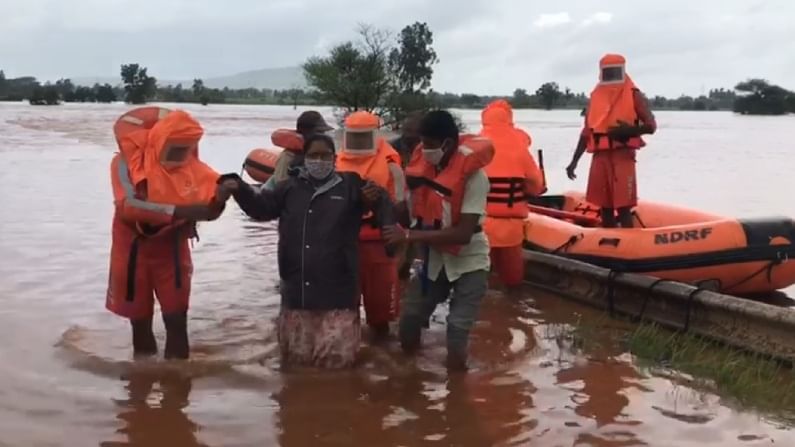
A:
(318, 236)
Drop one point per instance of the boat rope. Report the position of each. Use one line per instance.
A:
(690, 299)
(611, 279)
(640, 221)
(649, 293)
(572, 240)
(767, 268)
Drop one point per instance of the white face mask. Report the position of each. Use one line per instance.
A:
(434, 155)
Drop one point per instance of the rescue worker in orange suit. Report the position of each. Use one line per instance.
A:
(160, 189)
(374, 159)
(448, 203)
(513, 176)
(618, 114)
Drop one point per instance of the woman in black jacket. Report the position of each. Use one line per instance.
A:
(320, 214)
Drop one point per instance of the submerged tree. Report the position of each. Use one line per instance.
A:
(549, 94)
(138, 86)
(759, 97)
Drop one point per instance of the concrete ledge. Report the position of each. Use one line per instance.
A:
(739, 322)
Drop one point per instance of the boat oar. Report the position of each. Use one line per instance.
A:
(543, 172)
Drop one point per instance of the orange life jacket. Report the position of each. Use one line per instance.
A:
(288, 139)
(507, 172)
(437, 195)
(375, 168)
(611, 102)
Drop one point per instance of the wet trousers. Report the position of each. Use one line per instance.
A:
(417, 308)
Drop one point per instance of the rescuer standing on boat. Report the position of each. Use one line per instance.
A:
(616, 117)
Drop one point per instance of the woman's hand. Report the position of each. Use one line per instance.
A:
(371, 193)
(225, 190)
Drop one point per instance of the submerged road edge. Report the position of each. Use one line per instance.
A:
(739, 322)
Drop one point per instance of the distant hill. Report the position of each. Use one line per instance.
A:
(272, 78)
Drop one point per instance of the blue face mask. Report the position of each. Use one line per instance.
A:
(319, 169)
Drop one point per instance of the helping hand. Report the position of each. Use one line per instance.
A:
(225, 190)
(394, 235)
(371, 193)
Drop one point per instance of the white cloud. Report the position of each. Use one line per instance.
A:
(598, 18)
(552, 20)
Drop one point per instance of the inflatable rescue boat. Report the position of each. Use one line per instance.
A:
(736, 256)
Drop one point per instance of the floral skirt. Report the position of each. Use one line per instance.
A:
(324, 339)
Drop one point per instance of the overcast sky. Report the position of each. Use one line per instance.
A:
(484, 46)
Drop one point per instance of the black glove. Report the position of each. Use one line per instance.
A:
(623, 132)
(232, 176)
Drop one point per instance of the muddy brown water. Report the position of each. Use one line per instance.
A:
(66, 378)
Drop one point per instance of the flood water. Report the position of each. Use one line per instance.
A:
(66, 378)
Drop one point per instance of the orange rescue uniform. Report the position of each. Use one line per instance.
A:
(378, 273)
(612, 181)
(513, 175)
(150, 252)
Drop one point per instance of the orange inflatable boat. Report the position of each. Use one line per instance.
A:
(736, 256)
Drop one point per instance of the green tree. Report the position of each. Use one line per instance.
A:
(413, 59)
(104, 93)
(200, 92)
(411, 67)
(82, 94)
(3, 85)
(45, 96)
(549, 94)
(139, 87)
(353, 76)
(759, 97)
(65, 89)
(470, 100)
(521, 99)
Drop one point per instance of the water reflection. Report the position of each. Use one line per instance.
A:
(154, 416)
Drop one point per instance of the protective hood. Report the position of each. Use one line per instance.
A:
(190, 182)
(611, 100)
(497, 113)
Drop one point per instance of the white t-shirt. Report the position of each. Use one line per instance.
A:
(475, 255)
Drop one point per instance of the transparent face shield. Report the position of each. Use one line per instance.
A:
(611, 74)
(177, 153)
(359, 142)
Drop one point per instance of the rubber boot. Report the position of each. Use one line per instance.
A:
(143, 339)
(625, 217)
(457, 343)
(379, 333)
(608, 218)
(177, 346)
